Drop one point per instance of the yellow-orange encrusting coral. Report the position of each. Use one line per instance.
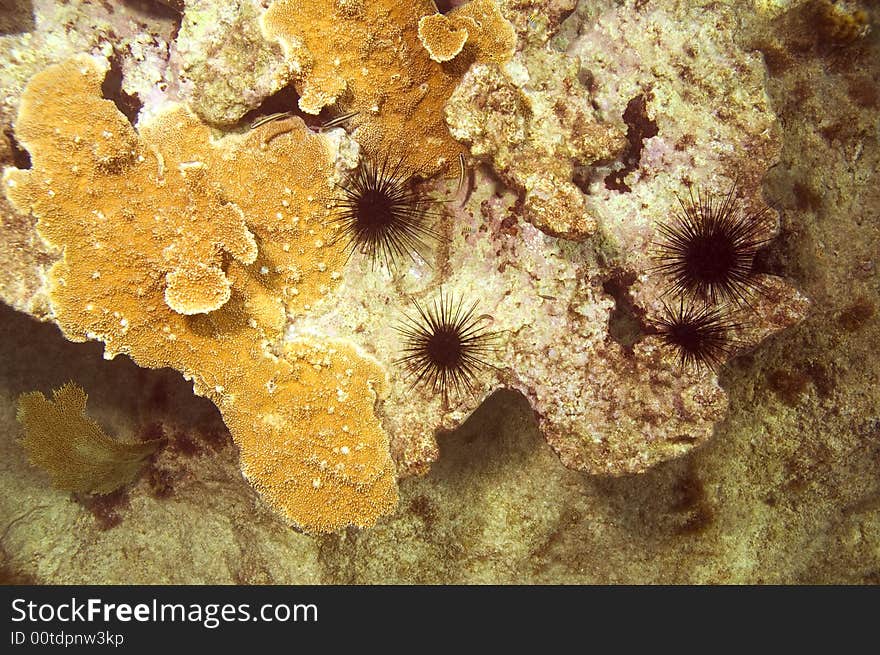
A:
(196, 289)
(479, 23)
(442, 38)
(337, 470)
(489, 33)
(367, 57)
(154, 224)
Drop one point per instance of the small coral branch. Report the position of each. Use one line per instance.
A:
(73, 448)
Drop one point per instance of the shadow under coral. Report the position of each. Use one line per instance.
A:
(35, 356)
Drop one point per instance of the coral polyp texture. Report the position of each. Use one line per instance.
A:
(159, 230)
(367, 57)
(223, 255)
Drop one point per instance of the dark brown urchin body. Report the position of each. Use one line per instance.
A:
(381, 215)
(701, 334)
(708, 250)
(446, 345)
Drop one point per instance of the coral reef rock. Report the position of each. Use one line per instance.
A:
(225, 64)
(218, 254)
(367, 57)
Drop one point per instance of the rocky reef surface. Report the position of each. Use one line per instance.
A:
(578, 140)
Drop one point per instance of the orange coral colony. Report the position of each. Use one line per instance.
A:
(368, 57)
(337, 472)
(442, 37)
(478, 23)
(183, 251)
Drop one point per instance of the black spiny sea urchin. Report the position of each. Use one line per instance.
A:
(702, 335)
(708, 249)
(381, 215)
(445, 345)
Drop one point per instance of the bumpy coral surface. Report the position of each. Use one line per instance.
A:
(442, 38)
(133, 36)
(535, 135)
(607, 404)
(786, 491)
(145, 220)
(226, 68)
(218, 257)
(367, 57)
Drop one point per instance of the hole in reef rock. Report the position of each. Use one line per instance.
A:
(639, 127)
(169, 9)
(445, 6)
(17, 17)
(585, 176)
(18, 156)
(176, 5)
(143, 11)
(625, 322)
(112, 89)
(773, 259)
(285, 99)
(790, 254)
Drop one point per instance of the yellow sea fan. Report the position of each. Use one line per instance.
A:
(72, 448)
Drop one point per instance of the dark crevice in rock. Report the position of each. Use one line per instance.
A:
(791, 254)
(20, 157)
(584, 177)
(17, 17)
(639, 128)
(445, 6)
(285, 99)
(170, 9)
(130, 105)
(625, 324)
(176, 5)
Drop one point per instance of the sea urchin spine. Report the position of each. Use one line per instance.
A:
(702, 335)
(381, 215)
(708, 250)
(445, 345)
